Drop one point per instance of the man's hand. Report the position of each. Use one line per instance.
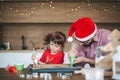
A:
(73, 52)
(80, 59)
(84, 59)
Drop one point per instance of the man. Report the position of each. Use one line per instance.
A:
(85, 32)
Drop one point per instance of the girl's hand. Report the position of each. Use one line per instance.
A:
(40, 62)
(33, 57)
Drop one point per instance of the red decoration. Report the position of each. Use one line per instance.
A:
(12, 69)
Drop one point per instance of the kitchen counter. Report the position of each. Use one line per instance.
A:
(5, 75)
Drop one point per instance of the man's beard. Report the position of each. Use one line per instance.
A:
(88, 44)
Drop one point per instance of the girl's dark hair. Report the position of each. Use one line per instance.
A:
(57, 38)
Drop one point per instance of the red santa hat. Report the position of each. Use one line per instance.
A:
(83, 29)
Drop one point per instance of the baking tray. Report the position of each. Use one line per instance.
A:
(53, 68)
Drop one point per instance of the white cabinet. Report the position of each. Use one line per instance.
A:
(15, 57)
(12, 57)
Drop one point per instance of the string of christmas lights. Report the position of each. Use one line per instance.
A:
(31, 10)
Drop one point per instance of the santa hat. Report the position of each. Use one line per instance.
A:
(83, 29)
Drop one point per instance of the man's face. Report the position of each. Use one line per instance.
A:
(86, 43)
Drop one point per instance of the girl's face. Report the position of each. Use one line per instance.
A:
(55, 47)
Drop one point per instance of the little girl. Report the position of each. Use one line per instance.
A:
(54, 53)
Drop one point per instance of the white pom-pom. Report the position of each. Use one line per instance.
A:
(70, 39)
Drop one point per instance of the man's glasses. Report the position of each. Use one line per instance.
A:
(83, 41)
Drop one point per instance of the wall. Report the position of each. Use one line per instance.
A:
(13, 32)
(0, 34)
(58, 12)
(36, 19)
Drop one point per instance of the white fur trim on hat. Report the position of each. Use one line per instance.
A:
(88, 37)
(70, 39)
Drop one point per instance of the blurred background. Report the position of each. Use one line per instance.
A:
(34, 19)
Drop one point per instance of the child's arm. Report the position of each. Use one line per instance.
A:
(42, 60)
